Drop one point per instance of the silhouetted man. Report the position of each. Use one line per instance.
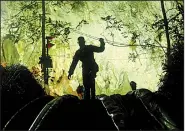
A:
(89, 67)
(133, 85)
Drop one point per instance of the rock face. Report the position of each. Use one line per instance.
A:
(172, 85)
(18, 88)
(64, 113)
(22, 119)
(138, 110)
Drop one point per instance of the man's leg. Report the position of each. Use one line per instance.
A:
(86, 83)
(93, 91)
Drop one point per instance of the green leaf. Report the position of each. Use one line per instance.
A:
(10, 51)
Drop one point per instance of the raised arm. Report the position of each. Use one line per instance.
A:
(99, 49)
(73, 65)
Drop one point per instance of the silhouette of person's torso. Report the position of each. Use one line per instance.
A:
(86, 56)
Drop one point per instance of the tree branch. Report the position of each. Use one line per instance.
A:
(23, 8)
(160, 46)
(166, 30)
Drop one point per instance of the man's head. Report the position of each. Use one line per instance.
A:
(81, 41)
(133, 85)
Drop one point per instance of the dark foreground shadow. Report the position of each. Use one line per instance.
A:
(63, 113)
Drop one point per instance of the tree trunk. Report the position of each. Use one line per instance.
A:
(166, 30)
(0, 42)
(0, 51)
(44, 44)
